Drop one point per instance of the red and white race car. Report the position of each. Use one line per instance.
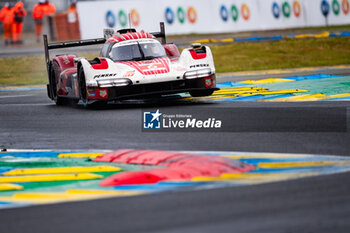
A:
(131, 65)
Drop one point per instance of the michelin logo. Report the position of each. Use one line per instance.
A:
(152, 120)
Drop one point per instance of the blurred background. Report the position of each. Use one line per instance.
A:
(182, 16)
(28, 22)
(278, 32)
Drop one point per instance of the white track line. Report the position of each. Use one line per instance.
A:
(14, 96)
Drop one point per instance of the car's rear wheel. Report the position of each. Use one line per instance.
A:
(201, 93)
(53, 85)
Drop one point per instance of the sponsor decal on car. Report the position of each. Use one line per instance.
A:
(199, 65)
(129, 74)
(103, 93)
(65, 59)
(105, 75)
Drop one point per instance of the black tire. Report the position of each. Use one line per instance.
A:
(53, 88)
(82, 87)
(201, 93)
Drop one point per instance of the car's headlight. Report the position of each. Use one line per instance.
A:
(197, 73)
(120, 82)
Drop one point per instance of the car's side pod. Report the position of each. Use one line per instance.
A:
(198, 57)
(56, 66)
(65, 61)
(171, 50)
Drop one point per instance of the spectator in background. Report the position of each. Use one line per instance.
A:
(49, 8)
(43, 8)
(72, 12)
(19, 14)
(73, 7)
(6, 16)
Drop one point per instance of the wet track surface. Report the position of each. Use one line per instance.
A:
(320, 204)
(34, 122)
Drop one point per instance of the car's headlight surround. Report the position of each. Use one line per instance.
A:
(118, 82)
(202, 73)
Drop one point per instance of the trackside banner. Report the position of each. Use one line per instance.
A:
(209, 16)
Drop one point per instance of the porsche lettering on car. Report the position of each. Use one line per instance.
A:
(131, 65)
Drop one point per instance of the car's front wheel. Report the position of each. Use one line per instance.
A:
(82, 87)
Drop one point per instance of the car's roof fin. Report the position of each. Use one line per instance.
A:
(126, 30)
(108, 33)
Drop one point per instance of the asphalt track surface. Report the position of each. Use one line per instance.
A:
(28, 120)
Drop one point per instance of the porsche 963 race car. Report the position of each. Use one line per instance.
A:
(131, 65)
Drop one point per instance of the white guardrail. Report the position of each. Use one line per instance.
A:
(209, 16)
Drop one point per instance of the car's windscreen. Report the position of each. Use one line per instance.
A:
(137, 51)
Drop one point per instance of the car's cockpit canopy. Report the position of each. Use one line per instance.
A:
(133, 50)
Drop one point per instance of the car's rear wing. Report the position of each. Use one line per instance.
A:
(69, 44)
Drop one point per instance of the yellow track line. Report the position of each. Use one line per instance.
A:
(60, 170)
(228, 91)
(204, 41)
(45, 198)
(43, 178)
(289, 91)
(227, 40)
(267, 80)
(80, 155)
(69, 195)
(106, 192)
(8, 187)
(303, 36)
(310, 97)
(253, 177)
(240, 89)
(225, 92)
(258, 93)
(259, 175)
(336, 96)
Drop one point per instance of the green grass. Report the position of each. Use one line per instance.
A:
(316, 30)
(23, 70)
(227, 58)
(281, 54)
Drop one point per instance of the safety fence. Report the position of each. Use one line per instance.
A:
(210, 16)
